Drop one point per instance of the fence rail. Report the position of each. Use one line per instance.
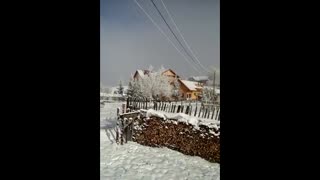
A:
(192, 108)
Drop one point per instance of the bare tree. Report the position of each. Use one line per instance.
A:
(153, 85)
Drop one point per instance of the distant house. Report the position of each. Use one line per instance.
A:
(168, 72)
(190, 90)
(201, 79)
(140, 74)
(171, 74)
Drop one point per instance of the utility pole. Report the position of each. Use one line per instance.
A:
(214, 82)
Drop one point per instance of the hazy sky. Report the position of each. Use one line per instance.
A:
(130, 41)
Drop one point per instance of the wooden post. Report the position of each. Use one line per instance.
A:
(121, 134)
(134, 104)
(218, 112)
(125, 130)
(201, 107)
(128, 102)
(124, 109)
(117, 126)
(204, 112)
(195, 111)
(214, 109)
(187, 110)
(207, 117)
(178, 109)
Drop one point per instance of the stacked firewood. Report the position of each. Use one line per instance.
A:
(179, 136)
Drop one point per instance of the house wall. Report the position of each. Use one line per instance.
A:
(185, 91)
(170, 74)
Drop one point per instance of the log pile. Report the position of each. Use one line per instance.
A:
(179, 136)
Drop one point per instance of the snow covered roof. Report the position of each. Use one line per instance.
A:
(143, 73)
(140, 72)
(191, 85)
(199, 78)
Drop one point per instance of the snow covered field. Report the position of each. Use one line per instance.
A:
(134, 161)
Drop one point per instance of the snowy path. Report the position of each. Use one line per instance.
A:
(134, 161)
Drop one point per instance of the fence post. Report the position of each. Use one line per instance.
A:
(195, 111)
(134, 103)
(205, 112)
(124, 108)
(121, 132)
(125, 131)
(187, 110)
(200, 110)
(218, 112)
(127, 101)
(214, 109)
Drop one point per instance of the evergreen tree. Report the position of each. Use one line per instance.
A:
(120, 89)
(130, 90)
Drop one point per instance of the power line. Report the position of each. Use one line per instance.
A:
(173, 32)
(182, 36)
(166, 36)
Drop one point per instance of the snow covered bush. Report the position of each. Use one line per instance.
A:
(152, 86)
(207, 94)
(134, 89)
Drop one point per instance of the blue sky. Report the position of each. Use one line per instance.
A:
(130, 41)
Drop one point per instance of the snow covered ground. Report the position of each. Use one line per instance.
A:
(134, 161)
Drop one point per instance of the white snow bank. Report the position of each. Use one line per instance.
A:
(181, 117)
(153, 113)
(134, 161)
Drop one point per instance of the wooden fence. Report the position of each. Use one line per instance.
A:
(192, 108)
(129, 113)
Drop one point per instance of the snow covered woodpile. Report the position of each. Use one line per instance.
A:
(188, 138)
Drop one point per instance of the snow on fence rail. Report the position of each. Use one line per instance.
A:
(192, 108)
